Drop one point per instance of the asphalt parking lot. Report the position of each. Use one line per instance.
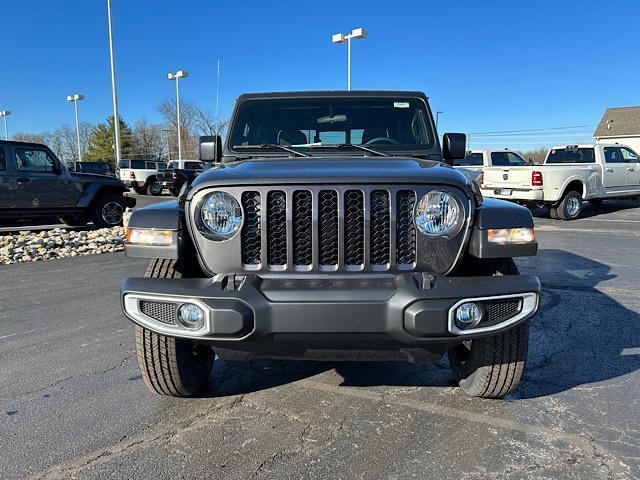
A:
(73, 405)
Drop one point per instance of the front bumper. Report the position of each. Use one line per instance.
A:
(381, 312)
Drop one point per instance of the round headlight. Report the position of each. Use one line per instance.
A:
(439, 214)
(221, 215)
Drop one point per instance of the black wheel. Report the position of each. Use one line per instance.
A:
(570, 206)
(491, 367)
(107, 210)
(75, 220)
(154, 188)
(171, 366)
(553, 213)
(596, 203)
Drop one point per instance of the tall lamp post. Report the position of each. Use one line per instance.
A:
(114, 92)
(346, 37)
(5, 114)
(177, 76)
(75, 98)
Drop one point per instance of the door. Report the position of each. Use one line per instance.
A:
(632, 164)
(41, 181)
(614, 171)
(7, 184)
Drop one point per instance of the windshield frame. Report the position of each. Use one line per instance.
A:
(404, 150)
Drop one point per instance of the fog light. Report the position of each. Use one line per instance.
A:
(468, 315)
(191, 316)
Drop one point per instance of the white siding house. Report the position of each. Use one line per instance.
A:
(620, 125)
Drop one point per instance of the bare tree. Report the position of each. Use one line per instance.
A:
(29, 137)
(536, 156)
(148, 141)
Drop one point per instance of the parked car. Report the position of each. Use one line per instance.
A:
(333, 230)
(99, 168)
(179, 172)
(140, 175)
(474, 161)
(35, 183)
(570, 174)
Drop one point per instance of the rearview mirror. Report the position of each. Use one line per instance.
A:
(210, 148)
(454, 146)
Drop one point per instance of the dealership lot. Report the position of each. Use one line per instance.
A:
(73, 405)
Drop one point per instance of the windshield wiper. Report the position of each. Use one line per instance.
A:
(271, 146)
(354, 145)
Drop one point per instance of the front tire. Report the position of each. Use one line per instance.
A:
(491, 367)
(571, 206)
(171, 366)
(154, 188)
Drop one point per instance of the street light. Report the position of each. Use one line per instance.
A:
(437, 117)
(116, 117)
(177, 76)
(5, 114)
(346, 37)
(75, 98)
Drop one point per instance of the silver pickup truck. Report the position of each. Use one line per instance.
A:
(570, 175)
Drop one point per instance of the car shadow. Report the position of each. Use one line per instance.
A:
(588, 211)
(580, 336)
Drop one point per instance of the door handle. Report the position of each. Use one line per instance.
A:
(22, 180)
(609, 170)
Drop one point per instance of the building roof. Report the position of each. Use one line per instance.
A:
(618, 122)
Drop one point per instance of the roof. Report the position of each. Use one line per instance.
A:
(619, 122)
(333, 93)
(16, 142)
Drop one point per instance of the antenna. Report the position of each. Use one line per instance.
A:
(217, 90)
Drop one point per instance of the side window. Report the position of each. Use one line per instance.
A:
(499, 159)
(172, 165)
(34, 160)
(3, 162)
(612, 155)
(629, 156)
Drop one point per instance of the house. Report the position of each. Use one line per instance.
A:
(620, 125)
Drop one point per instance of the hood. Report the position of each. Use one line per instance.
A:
(94, 177)
(332, 170)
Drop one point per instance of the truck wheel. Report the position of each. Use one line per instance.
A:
(553, 213)
(491, 367)
(171, 366)
(570, 206)
(75, 220)
(154, 188)
(107, 211)
(174, 191)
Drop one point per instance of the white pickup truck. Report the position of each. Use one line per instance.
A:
(140, 175)
(570, 174)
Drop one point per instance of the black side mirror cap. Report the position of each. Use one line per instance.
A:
(210, 148)
(454, 146)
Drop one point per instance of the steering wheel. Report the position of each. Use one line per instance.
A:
(391, 141)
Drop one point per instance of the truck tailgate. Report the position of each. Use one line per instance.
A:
(507, 177)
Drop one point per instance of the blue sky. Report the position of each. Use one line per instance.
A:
(490, 66)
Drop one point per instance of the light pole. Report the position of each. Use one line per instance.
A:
(346, 37)
(177, 76)
(437, 118)
(75, 98)
(114, 92)
(5, 114)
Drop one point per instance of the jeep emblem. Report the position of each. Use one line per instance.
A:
(505, 176)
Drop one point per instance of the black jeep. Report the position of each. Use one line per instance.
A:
(34, 183)
(333, 229)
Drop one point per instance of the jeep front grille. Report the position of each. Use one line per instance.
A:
(328, 229)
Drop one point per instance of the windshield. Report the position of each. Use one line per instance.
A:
(382, 123)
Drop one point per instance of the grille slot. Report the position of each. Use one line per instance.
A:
(161, 311)
(501, 310)
(379, 228)
(328, 227)
(353, 228)
(405, 228)
(277, 228)
(251, 231)
(302, 228)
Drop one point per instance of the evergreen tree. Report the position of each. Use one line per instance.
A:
(102, 142)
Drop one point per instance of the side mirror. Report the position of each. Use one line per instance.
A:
(210, 148)
(454, 146)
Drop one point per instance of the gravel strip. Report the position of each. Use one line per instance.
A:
(27, 246)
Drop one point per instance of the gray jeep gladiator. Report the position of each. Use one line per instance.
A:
(332, 228)
(35, 184)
